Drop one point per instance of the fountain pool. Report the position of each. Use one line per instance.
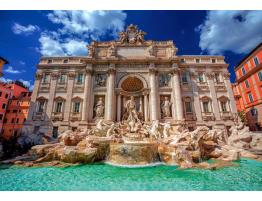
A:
(247, 176)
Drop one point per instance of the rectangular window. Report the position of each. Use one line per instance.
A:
(250, 97)
(243, 71)
(206, 106)
(76, 108)
(17, 120)
(184, 78)
(224, 106)
(49, 61)
(256, 61)
(62, 78)
(188, 107)
(260, 75)
(201, 77)
(1, 117)
(59, 107)
(65, 61)
(13, 120)
(41, 106)
(247, 83)
(217, 77)
(45, 78)
(197, 60)
(6, 96)
(3, 106)
(79, 78)
(0, 93)
(213, 61)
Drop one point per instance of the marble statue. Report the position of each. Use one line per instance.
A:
(131, 109)
(166, 111)
(123, 37)
(100, 80)
(151, 50)
(91, 51)
(140, 36)
(99, 108)
(111, 51)
(166, 129)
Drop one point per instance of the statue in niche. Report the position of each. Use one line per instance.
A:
(164, 80)
(100, 80)
(131, 113)
(111, 52)
(166, 104)
(99, 108)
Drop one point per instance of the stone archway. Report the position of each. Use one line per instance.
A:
(133, 85)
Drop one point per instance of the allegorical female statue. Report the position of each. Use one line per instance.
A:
(99, 108)
(166, 107)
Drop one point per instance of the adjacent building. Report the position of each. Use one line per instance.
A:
(2, 63)
(15, 101)
(74, 92)
(248, 87)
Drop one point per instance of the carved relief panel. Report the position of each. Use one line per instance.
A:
(100, 80)
(164, 80)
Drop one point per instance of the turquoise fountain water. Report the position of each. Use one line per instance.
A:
(248, 176)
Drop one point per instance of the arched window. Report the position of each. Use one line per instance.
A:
(59, 104)
(76, 104)
(206, 104)
(41, 103)
(224, 104)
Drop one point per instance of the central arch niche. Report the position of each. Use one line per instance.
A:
(132, 84)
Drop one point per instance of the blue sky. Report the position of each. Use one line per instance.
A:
(27, 35)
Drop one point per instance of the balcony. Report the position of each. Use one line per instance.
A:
(226, 116)
(57, 116)
(202, 86)
(75, 116)
(208, 116)
(61, 87)
(190, 117)
(38, 116)
(44, 87)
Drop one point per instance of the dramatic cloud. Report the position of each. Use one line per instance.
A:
(235, 31)
(11, 70)
(78, 28)
(5, 80)
(27, 30)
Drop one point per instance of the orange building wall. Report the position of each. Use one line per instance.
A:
(255, 87)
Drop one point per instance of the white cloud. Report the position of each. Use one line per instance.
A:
(5, 80)
(78, 29)
(27, 84)
(235, 31)
(11, 70)
(27, 30)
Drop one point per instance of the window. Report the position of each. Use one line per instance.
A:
(5, 120)
(259, 75)
(201, 77)
(49, 61)
(17, 120)
(1, 117)
(3, 106)
(45, 78)
(223, 106)
(76, 108)
(65, 61)
(256, 61)
(0, 93)
(13, 120)
(253, 112)
(250, 97)
(79, 78)
(206, 106)
(59, 107)
(197, 60)
(217, 77)
(41, 106)
(62, 79)
(55, 132)
(184, 78)
(188, 107)
(24, 120)
(213, 61)
(243, 71)
(246, 83)
(6, 96)
(182, 60)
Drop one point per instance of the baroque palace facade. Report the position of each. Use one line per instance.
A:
(74, 92)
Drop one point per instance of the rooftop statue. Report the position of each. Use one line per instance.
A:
(132, 35)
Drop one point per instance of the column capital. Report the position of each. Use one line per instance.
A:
(89, 68)
(111, 68)
(152, 68)
(71, 75)
(174, 69)
(38, 76)
(210, 75)
(54, 75)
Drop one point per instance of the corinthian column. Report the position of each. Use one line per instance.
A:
(110, 96)
(154, 112)
(145, 107)
(69, 93)
(87, 94)
(52, 90)
(177, 93)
